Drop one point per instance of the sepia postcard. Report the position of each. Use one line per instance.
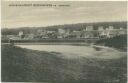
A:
(64, 41)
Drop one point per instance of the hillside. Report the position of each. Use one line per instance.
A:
(78, 26)
(20, 65)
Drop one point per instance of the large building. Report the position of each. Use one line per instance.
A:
(21, 34)
(89, 28)
(100, 28)
(111, 28)
(61, 31)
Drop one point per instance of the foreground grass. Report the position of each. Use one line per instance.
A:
(23, 65)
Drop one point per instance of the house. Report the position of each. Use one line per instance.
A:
(121, 28)
(59, 36)
(77, 33)
(113, 33)
(39, 31)
(30, 36)
(89, 28)
(67, 32)
(104, 34)
(21, 34)
(43, 33)
(61, 31)
(49, 32)
(100, 28)
(87, 34)
(13, 37)
(4, 37)
(108, 33)
(122, 32)
(111, 28)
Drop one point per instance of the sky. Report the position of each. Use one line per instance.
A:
(73, 12)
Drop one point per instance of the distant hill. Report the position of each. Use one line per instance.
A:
(78, 26)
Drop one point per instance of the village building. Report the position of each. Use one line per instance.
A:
(122, 32)
(61, 31)
(13, 37)
(112, 34)
(89, 28)
(67, 32)
(121, 28)
(50, 31)
(43, 33)
(39, 31)
(108, 33)
(31, 36)
(87, 34)
(77, 33)
(100, 28)
(104, 34)
(21, 34)
(84, 29)
(4, 37)
(59, 36)
(111, 28)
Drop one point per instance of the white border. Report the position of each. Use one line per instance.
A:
(61, 0)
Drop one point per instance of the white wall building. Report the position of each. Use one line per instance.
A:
(89, 28)
(61, 31)
(100, 28)
(111, 28)
(121, 28)
(21, 33)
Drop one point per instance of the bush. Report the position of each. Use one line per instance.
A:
(119, 42)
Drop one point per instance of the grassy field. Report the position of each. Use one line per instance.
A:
(24, 65)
